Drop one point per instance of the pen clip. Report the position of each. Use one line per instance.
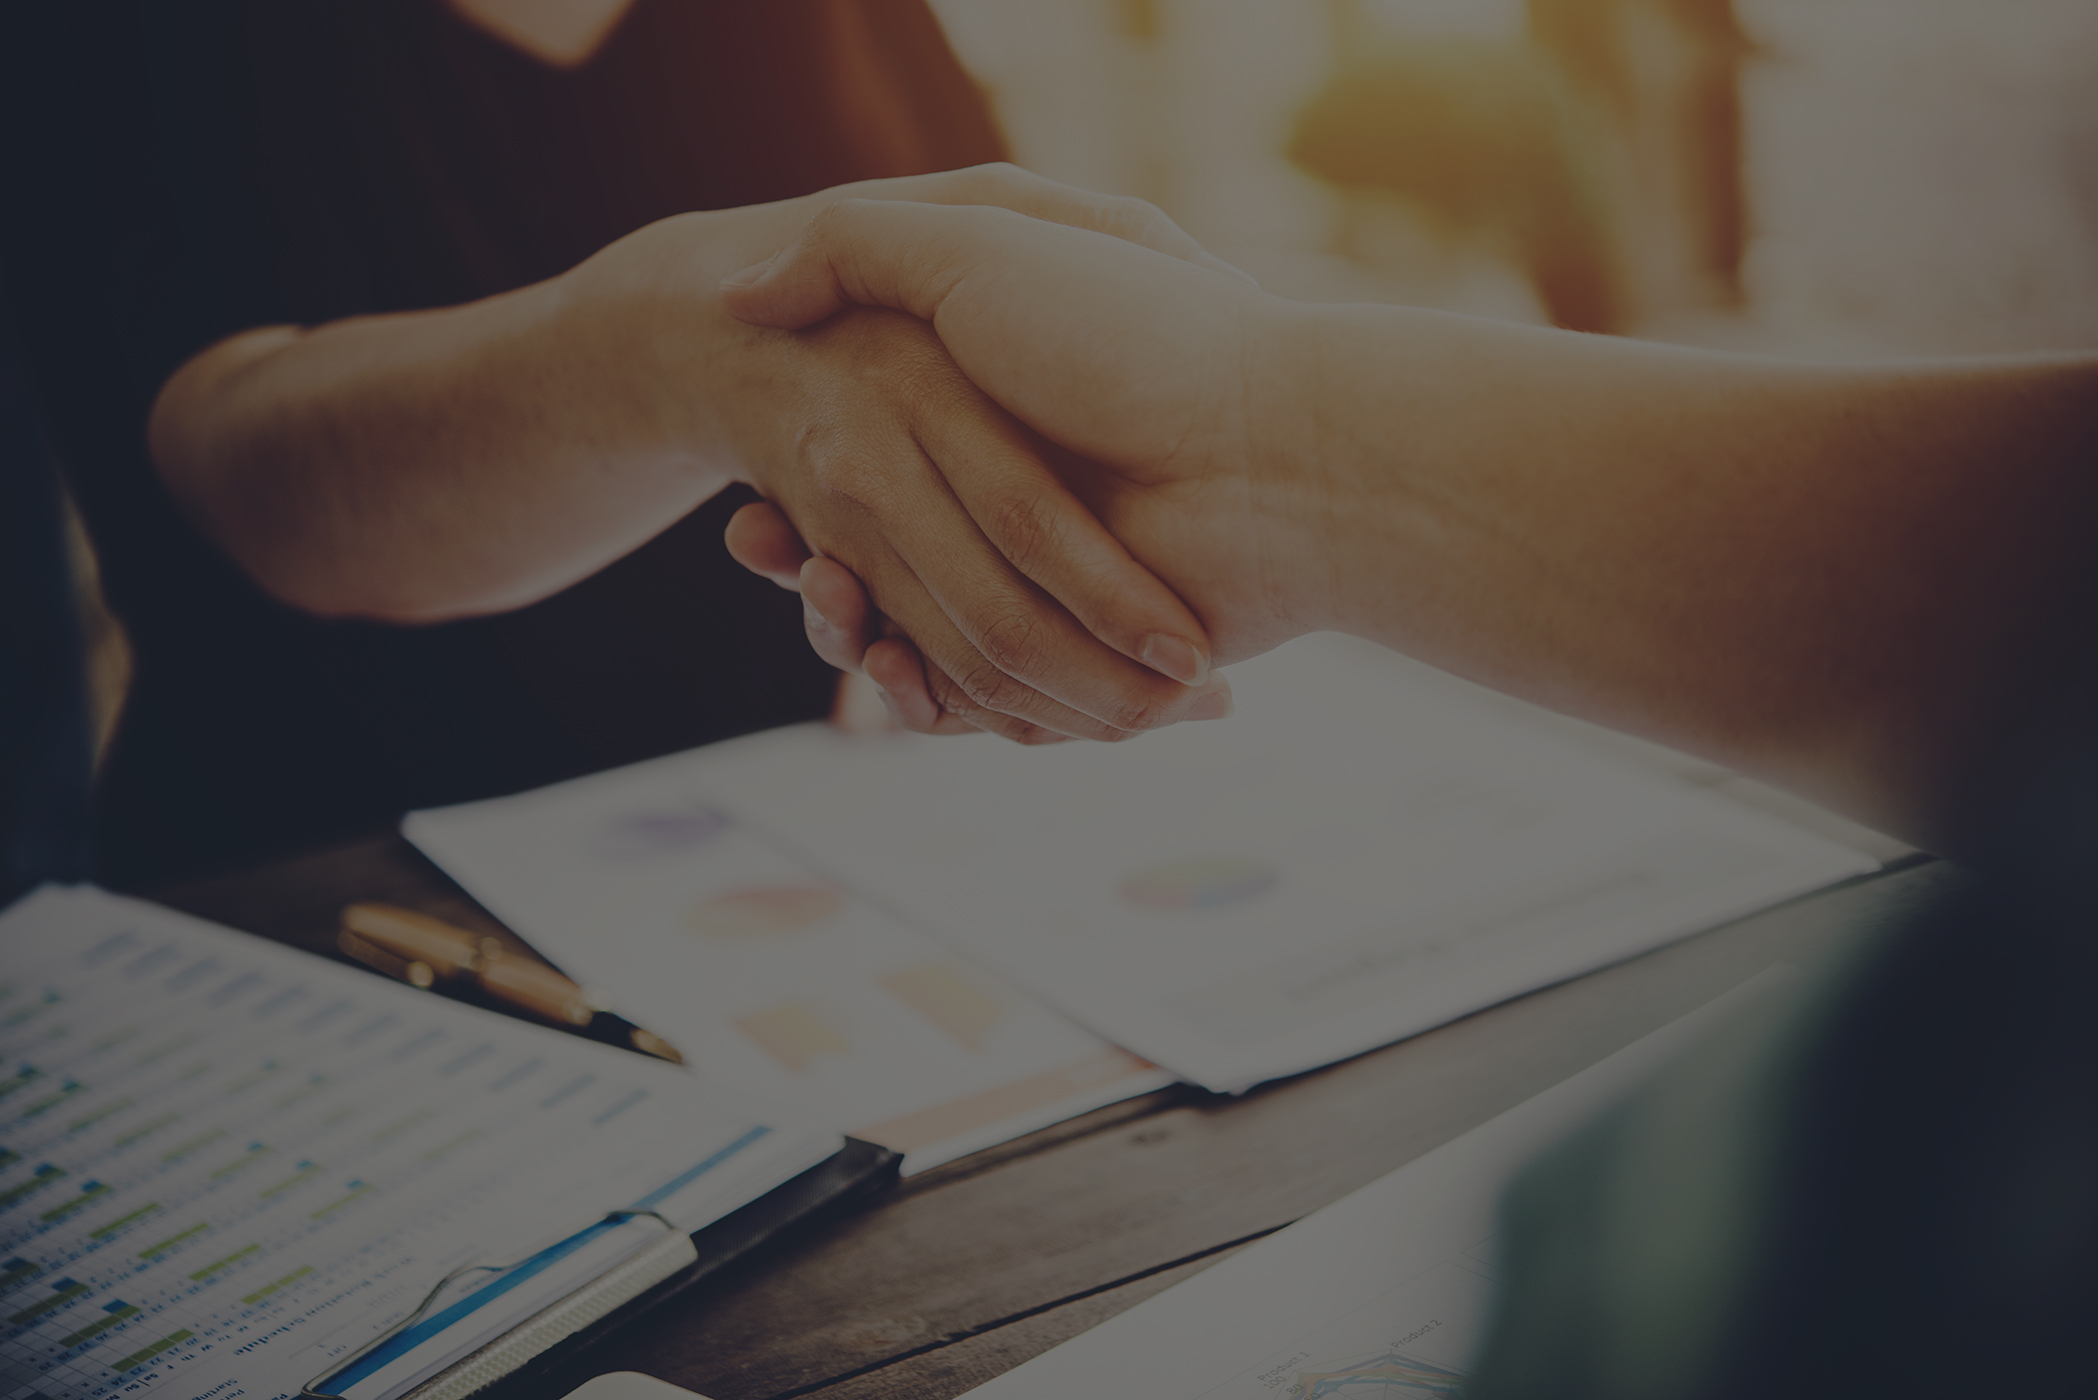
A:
(312, 1391)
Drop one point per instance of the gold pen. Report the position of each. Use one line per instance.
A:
(423, 951)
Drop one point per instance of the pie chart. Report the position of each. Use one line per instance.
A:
(660, 831)
(1215, 882)
(758, 910)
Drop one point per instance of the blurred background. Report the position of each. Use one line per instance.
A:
(1820, 178)
(1827, 178)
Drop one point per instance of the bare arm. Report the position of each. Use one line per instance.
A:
(1850, 580)
(440, 464)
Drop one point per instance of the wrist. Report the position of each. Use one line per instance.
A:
(1304, 483)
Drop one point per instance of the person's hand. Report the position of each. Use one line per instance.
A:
(1142, 373)
(1032, 620)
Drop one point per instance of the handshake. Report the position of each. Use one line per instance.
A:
(1102, 524)
(1837, 578)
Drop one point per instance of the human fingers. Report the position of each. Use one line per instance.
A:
(1003, 185)
(894, 665)
(841, 622)
(870, 252)
(994, 468)
(1008, 186)
(894, 518)
(862, 489)
(764, 541)
(999, 472)
(965, 681)
(834, 608)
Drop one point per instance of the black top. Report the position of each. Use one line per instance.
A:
(180, 172)
(43, 701)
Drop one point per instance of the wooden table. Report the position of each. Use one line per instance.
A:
(973, 1267)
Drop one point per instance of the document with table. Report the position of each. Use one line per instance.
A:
(1365, 851)
(228, 1167)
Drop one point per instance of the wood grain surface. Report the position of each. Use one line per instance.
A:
(972, 1267)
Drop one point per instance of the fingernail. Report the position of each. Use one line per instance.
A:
(1214, 703)
(749, 274)
(809, 616)
(1175, 657)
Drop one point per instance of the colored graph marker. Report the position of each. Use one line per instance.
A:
(764, 909)
(1186, 885)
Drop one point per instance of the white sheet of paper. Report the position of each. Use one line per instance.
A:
(768, 976)
(1365, 851)
(1384, 1292)
(227, 1164)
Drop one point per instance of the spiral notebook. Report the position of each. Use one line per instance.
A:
(229, 1167)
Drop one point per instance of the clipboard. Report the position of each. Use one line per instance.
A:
(230, 1164)
(513, 1363)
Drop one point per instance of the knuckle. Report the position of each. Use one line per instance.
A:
(1139, 220)
(990, 688)
(1002, 174)
(1025, 530)
(1129, 717)
(1010, 640)
(950, 695)
(844, 475)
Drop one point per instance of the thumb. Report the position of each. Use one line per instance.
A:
(868, 252)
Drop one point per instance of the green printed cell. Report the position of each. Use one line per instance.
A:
(140, 1358)
(305, 1091)
(89, 1120)
(63, 1292)
(30, 1012)
(15, 1271)
(177, 1154)
(45, 1175)
(306, 1172)
(215, 1265)
(8, 1156)
(172, 1240)
(90, 1192)
(26, 1075)
(255, 1153)
(268, 1288)
(166, 1047)
(250, 1080)
(119, 1312)
(112, 1040)
(401, 1125)
(73, 1087)
(123, 1222)
(146, 1129)
(452, 1144)
(357, 1189)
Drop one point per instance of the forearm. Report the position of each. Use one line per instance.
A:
(435, 464)
(1842, 579)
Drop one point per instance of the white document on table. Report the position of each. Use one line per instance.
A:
(769, 976)
(226, 1165)
(1385, 1292)
(1365, 851)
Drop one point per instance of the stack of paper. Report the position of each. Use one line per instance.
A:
(1361, 854)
